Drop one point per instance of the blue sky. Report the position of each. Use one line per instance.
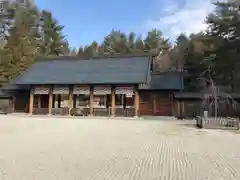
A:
(90, 20)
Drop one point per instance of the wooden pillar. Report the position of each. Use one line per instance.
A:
(13, 103)
(123, 100)
(74, 101)
(54, 100)
(91, 101)
(113, 101)
(39, 101)
(136, 102)
(154, 103)
(31, 101)
(50, 101)
(183, 109)
(70, 105)
(59, 100)
(172, 103)
(178, 108)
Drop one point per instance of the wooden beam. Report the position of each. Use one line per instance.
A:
(91, 101)
(70, 105)
(113, 101)
(136, 102)
(50, 101)
(31, 101)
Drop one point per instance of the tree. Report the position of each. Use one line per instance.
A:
(6, 16)
(21, 45)
(139, 45)
(80, 51)
(26, 38)
(73, 52)
(53, 40)
(131, 42)
(118, 43)
(193, 61)
(223, 38)
(155, 42)
(19, 52)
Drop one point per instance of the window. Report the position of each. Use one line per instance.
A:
(61, 100)
(129, 101)
(82, 100)
(64, 100)
(99, 101)
(119, 100)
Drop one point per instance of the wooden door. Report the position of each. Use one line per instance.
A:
(146, 103)
(162, 104)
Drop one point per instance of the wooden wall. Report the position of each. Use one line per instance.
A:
(21, 101)
(156, 103)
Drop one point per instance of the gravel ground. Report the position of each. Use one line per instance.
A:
(46, 148)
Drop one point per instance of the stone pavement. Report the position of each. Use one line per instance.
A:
(37, 148)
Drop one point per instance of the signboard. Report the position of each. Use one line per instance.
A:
(129, 91)
(61, 90)
(81, 90)
(129, 95)
(41, 90)
(102, 90)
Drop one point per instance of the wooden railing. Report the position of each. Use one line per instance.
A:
(101, 111)
(40, 111)
(121, 112)
(60, 111)
(125, 112)
(6, 109)
(79, 111)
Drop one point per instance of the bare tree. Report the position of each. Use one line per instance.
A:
(214, 95)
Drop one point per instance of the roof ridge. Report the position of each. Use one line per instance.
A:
(166, 72)
(42, 58)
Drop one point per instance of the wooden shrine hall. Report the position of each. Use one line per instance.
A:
(109, 86)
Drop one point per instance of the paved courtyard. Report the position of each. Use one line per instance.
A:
(45, 148)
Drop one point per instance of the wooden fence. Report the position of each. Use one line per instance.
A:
(196, 108)
(218, 123)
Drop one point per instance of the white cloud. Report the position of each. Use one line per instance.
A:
(176, 19)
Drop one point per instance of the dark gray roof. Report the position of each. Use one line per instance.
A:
(4, 94)
(11, 86)
(165, 81)
(69, 70)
